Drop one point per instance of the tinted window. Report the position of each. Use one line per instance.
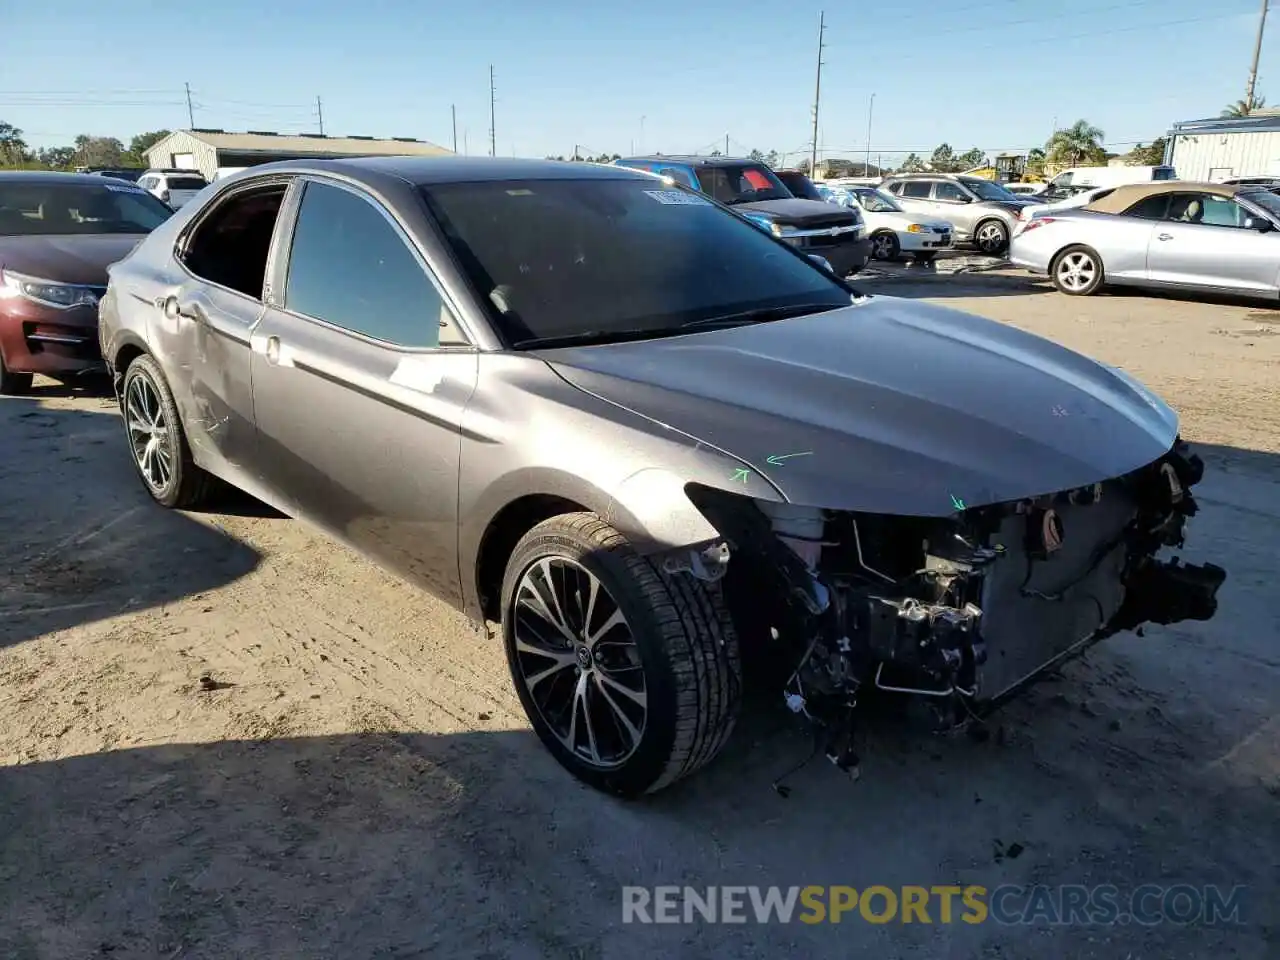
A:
(741, 183)
(950, 192)
(917, 189)
(1163, 173)
(350, 267)
(679, 176)
(800, 185)
(1267, 201)
(615, 259)
(895, 188)
(230, 244)
(45, 207)
(1152, 208)
(186, 183)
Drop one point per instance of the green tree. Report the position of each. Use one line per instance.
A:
(57, 158)
(943, 159)
(772, 159)
(1151, 156)
(970, 159)
(13, 149)
(99, 151)
(1077, 145)
(913, 164)
(1035, 162)
(756, 155)
(1242, 108)
(136, 155)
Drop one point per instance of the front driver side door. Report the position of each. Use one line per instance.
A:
(1217, 248)
(360, 381)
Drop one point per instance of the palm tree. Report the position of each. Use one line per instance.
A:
(1072, 144)
(1242, 108)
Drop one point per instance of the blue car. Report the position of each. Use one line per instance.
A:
(754, 191)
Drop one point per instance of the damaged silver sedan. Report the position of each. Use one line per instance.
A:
(651, 441)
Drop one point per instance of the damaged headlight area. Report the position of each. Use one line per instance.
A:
(963, 610)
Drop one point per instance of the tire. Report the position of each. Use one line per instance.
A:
(1077, 271)
(13, 384)
(149, 411)
(991, 237)
(675, 648)
(885, 245)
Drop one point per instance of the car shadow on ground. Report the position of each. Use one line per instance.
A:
(922, 284)
(82, 539)
(476, 845)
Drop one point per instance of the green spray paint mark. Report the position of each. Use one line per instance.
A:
(957, 502)
(776, 459)
(741, 474)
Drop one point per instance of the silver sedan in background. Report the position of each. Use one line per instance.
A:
(1172, 234)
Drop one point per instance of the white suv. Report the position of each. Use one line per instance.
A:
(174, 187)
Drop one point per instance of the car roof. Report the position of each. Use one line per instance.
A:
(48, 176)
(1126, 195)
(694, 161)
(422, 171)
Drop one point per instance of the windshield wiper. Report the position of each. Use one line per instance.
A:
(761, 315)
(591, 336)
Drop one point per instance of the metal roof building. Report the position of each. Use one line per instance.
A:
(207, 150)
(1217, 148)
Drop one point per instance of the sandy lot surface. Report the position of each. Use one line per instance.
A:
(360, 781)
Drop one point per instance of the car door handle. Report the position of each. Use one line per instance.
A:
(1164, 236)
(173, 310)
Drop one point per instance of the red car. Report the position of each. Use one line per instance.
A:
(58, 234)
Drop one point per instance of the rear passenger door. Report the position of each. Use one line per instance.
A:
(361, 376)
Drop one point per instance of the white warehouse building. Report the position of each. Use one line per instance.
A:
(1216, 149)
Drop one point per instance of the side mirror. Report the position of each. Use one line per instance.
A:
(1261, 224)
(823, 262)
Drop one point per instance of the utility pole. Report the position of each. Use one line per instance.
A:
(320, 115)
(817, 95)
(866, 167)
(726, 144)
(453, 111)
(493, 99)
(1257, 53)
(191, 116)
(642, 134)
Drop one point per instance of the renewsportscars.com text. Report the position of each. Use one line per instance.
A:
(1145, 905)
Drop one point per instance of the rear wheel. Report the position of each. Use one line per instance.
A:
(1077, 271)
(991, 237)
(885, 246)
(156, 440)
(13, 384)
(630, 676)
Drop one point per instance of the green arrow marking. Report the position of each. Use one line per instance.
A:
(776, 459)
(741, 474)
(957, 502)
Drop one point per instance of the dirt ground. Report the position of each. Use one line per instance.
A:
(359, 780)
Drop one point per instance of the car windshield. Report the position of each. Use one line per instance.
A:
(186, 183)
(1265, 199)
(800, 186)
(42, 208)
(877, 201)
(741, 183)
(989, 190)
(612, 259)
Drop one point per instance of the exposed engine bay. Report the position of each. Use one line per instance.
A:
(962, 610)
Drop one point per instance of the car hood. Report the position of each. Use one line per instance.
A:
(67, 259)
(887, 406)
(795, 211)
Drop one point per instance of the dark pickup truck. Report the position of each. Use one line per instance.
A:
(838, 234)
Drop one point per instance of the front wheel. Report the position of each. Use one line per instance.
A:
(885, 246)
(1077, 271)
(156, 440)
(629, 675)
(991, 237)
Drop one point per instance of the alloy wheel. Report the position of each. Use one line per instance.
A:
(990, 237)
(578, 659)
(882, 246)
(149, 433)
(1077, 271)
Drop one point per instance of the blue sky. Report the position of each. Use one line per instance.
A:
(987, 73)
